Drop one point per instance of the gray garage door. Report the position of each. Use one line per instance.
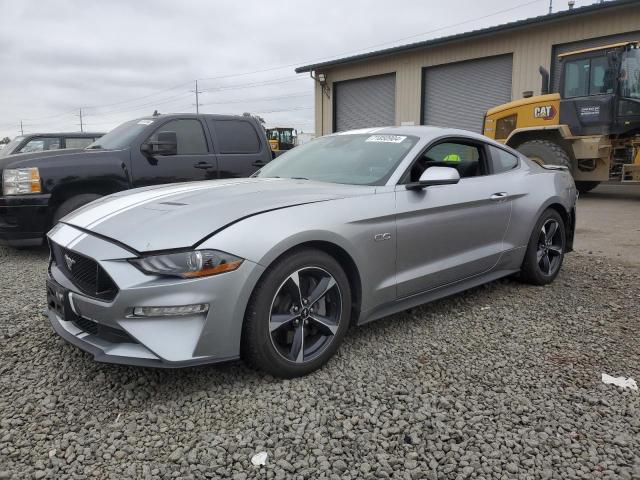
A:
(459, 94)
(365, 102)
(556, 68)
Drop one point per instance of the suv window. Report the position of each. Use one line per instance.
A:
(39, 144)
(190, 135)
(77, 142)
(587, 76)
(465, 158)
(236, 136)
(501, 160)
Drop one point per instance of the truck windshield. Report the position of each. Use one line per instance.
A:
(354, 159)
(121, 136)
(630, 74)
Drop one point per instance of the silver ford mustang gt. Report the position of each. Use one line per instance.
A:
(343, 230)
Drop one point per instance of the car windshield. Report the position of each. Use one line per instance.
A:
(121, 136)
(630, 74)
(8, 148)
(355, 159)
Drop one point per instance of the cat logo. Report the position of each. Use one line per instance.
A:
(546, 112)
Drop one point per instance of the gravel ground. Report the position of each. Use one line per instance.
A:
(500, 382)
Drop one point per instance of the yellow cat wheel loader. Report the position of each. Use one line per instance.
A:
(281, 139)
(591, 125)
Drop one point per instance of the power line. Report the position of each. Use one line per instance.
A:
(296, 63)
(264, 83)
(260, 99)
(351, 52)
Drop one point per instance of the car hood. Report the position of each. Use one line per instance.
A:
(182, 215)
(62, 157)
(22, 159)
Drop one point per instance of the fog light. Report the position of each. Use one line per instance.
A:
(176, 311)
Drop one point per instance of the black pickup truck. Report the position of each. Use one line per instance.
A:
(38, 190)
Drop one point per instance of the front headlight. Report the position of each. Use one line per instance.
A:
(190, 264)
(21, 181)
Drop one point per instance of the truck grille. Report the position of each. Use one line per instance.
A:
(84, 272)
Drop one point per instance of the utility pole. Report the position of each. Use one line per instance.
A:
(21, 128)
(81, 125)
(197, 92)
(550, 7)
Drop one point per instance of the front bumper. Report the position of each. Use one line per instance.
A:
(24, 220)
(110, 334)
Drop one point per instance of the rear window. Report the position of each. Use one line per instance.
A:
(78, 142)
(236, 136)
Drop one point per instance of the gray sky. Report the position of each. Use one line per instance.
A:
(120, 59)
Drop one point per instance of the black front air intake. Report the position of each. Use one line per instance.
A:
(84, 272)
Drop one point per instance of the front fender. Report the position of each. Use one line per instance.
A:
(349, 223)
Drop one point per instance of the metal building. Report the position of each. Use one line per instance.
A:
(454, 80)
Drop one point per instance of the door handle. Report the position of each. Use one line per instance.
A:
(203, 165)
(259, 163)
(496, 197)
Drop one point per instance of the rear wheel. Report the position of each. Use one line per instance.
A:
(545, 152)
(545, 251)
(297, 315)
(584, 187)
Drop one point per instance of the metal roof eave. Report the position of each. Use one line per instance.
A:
(469, 35)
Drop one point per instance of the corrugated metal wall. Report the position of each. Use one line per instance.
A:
(556, 68)
(459, 94)
(366, 102)
(531, 47)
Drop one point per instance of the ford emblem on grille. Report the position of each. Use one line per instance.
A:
(69, 261)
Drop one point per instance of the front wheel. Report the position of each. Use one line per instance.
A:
(545, 251)
(72, 204)
(297, 315)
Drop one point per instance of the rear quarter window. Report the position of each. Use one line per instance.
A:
(501, 160)
(236, 136)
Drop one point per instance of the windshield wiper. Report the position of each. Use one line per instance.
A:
(95, 147)
(299, 178)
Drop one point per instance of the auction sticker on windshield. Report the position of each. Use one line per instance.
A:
(386, 138)
(145, 122)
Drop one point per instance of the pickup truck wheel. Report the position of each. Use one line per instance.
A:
(72, 204)
(546, 152)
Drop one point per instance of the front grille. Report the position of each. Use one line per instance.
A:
(84, 272)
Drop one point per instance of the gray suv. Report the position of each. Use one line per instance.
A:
(40, 142)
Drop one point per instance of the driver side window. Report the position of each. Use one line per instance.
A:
(189, 133)
(465, 158)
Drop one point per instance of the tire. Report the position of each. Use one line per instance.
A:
(277, 318)
(584, 187)
(72, 204)
(545, 151)
(534, 267)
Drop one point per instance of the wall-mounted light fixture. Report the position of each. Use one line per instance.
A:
(322, 80)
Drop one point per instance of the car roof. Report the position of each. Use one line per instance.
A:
(63, 134)
(424, 132)
(196, 115)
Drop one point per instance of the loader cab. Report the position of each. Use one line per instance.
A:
(600, 90)
(281, 139)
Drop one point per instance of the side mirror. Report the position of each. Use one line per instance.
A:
(435, 176)
(167, 144)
